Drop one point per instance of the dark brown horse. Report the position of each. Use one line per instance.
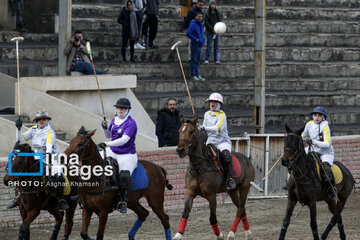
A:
(305, 187)
(203, 179)
(98, 194)
(34, 196)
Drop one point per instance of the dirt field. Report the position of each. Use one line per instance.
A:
(265, 219)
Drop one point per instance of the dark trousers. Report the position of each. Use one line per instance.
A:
(151, 23)
(125, 39)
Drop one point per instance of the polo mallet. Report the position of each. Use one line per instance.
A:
(17, 39)
(97, 81)
(175, 46)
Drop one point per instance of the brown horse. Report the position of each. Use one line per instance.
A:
(203, 179)
(34, 197)
(305, 187)
(98, 194)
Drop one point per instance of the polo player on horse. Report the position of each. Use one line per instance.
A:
(122, 131)
(317, 136)
(215, 124)
(43, 139)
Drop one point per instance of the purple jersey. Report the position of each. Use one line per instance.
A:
(130, 129)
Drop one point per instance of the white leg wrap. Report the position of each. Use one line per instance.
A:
(177, 236)
(231, 236)
(220, 237)
(247, 234)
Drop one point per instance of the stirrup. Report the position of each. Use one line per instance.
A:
(230, 184)
(122, 207)
(63, 205)
(332, 192)
(13, 204)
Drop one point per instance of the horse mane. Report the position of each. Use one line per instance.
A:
(23, 147)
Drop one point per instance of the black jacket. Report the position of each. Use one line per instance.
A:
(167, 127)
(190, 16)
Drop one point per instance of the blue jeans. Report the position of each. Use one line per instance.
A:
(85, 68)
(195, 59)
(209, 41)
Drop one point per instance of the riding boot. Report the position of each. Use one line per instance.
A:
(124, 189)
(332, 190)
(228, 165)
(62, 204)
(13, 203)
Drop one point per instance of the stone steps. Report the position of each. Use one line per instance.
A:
(154, 101)
(228, 12)
(237, 116)
(233, 54)
(269, 3)
(275, 84)
(228, 70)
(233, 25)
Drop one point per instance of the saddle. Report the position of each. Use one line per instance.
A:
(319, 169)
(67, 187)
(214, 157)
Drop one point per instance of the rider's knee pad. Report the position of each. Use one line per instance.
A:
(124, 178)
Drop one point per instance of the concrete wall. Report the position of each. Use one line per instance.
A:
(74, 101)
(7, 21)
(7, 90)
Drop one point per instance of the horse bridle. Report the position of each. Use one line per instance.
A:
(295, 155)
(190, 142)
(87, 141)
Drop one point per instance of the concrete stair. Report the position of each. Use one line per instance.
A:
(312, 59)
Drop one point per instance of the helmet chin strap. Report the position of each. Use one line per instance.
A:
(124, 115)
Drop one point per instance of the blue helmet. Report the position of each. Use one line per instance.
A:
(319, 109)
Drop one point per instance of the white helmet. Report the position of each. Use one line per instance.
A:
(215, 97)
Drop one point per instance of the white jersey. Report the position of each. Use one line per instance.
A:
(320, 136)
(43, 140)
(220, 135)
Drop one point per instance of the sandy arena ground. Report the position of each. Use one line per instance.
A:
(265, 219)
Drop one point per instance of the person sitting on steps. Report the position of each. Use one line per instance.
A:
(43, 140)
(318, 138)
(215, 124)
(122, 131)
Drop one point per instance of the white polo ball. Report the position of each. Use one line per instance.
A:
(220, 28)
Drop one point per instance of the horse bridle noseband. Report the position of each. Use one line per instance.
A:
(295, 155)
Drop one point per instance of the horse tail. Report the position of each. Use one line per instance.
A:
(168, 185)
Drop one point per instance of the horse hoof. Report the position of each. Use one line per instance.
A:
(248, 235)
(220, 236)
(177, 236)
(231, 235)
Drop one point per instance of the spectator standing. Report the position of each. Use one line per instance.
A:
(212, 16)
(128, 20)
(192, 13)
(17, 9)
(139, 7)
(78, 60)
(185, 7)
(190, 16)
(151, 23)
(196, 34)
(168, 124)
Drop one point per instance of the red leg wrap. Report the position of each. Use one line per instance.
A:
(245, 223)
(216, 229)
(182, 225)
(235, 224)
